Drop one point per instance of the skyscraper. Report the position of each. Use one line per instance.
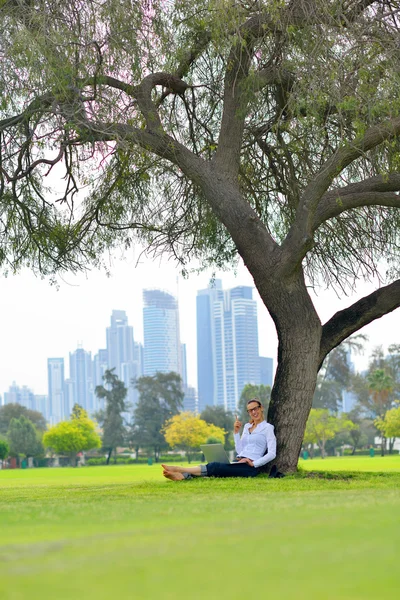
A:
(123, 353)
(55, 386)
(80, 370)
(162, 348)
(266, 369)
(99, 367)
(227, 345)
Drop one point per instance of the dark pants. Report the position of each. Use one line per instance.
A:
(217, 469)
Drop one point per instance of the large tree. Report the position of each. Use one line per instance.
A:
(111, 419)
(265, 129)
(71, 437)
(23, 438)
(15, 411)
(160, 398)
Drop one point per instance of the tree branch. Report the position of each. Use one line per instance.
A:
(299, 238)
(359, 314)
(336, 202)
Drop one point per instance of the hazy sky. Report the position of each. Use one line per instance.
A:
(38, 321)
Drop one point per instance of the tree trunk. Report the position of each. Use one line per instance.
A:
(108, 456)
(299, 333)
(383, 445)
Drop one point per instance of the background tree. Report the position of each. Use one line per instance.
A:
(23, 438)
(111, 419)
(4, 450)
(187, 431)
(380, 386)
(363, 434)
(15, 411)
(323, 426)
(336, 374)
(250, 391)
(389, 425)
(160, 398)
(268, 130)
(217, 415)
(71, 437)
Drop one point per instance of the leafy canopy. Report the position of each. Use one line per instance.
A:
(323, 426)
(23, 438)
(114, 393)
(139, 104)
(188, 431)
(4, 449)
(15, 411)
(76, 435)
(389, 426)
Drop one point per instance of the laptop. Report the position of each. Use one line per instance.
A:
(215, 453)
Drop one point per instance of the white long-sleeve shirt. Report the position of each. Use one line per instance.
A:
(254, 445)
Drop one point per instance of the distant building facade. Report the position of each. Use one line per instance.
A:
(227, 345)
(124, 354)
(57, 410)
(81, 386)
(266, 370)
(25, 397)
(162, 347)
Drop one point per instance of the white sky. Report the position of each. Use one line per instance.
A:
(38, 321)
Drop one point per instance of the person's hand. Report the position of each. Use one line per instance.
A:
(247, 461)
(237, 425)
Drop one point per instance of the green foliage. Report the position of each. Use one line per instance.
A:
(187, 431)
(15, 411)
(4, 449)
(389, 426)
(114, 392)
(336, 375)
(23, 438)
(323, 426)
(329, 83)
(217, 415)
(70, 437)
(160, 398)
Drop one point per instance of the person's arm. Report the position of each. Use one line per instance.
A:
(236, 436)
(271, 445)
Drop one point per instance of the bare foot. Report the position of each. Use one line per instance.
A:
(173, 475)
(172, 469)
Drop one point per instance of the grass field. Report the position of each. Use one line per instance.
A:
(125, 532)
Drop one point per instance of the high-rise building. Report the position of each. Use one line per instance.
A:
(124, 355)
(80, 371)
(120, 346)
(25, 397)
(184, 365)
(190, 400)
(55, 386)
(162, 347)
(99, 367)
(20, 395)
(266, 368)
(227, 345)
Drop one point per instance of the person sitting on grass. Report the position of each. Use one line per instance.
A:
(255, 448)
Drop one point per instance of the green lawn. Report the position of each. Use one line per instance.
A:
(125, 532)
(353, 463)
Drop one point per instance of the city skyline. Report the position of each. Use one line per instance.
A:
(231, 327)
(39, 320)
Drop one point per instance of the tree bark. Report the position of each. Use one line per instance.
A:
(299, 333)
